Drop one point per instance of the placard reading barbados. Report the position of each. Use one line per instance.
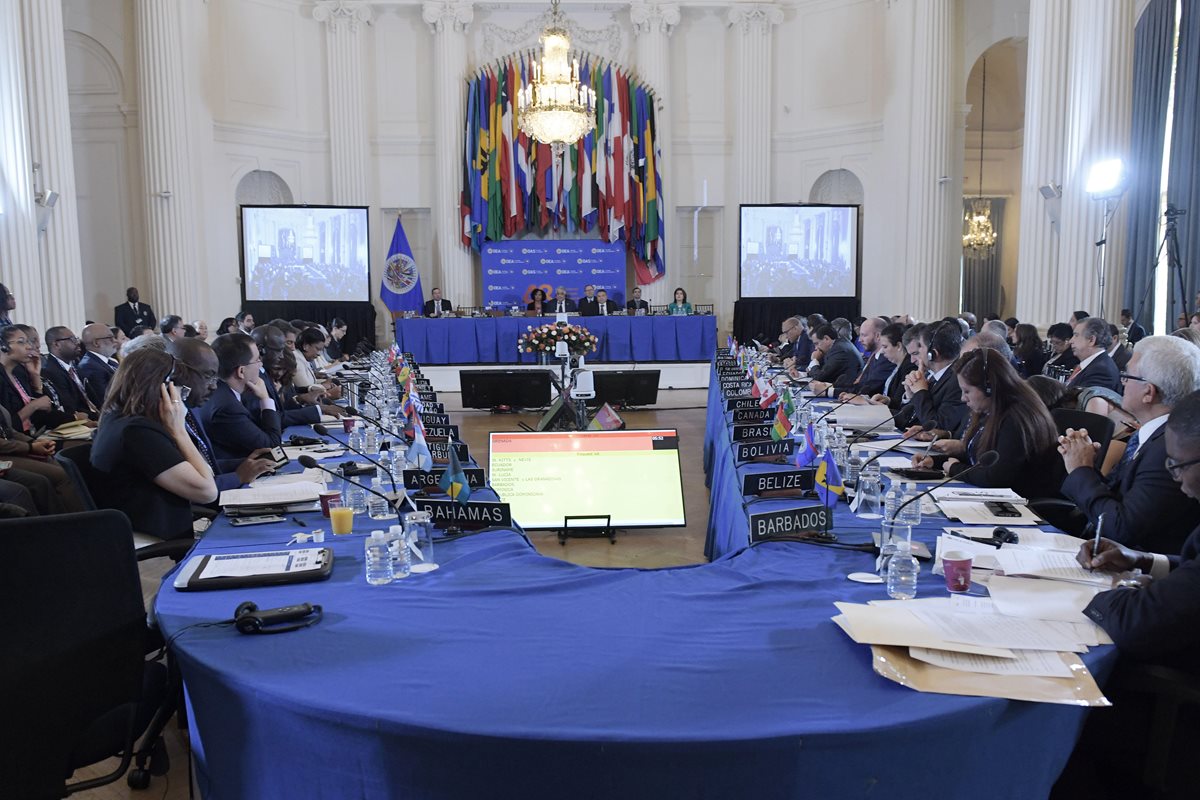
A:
(633, 476)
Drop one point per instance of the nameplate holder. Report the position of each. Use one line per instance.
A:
(751, 433)
(736, 387)
(794, 524)
(781, 483)
(447, 431)
(420, 480)
(427, 397)
(736, 403)
(440, 450)
(435, 408)
(474, 515)
(754, 414)
(764, 451)
(435, 419)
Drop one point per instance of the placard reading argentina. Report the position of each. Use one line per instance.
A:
(791, 523)
(754, 414)
(735, 403)
(777, 481)
(419, 479)
(749, 450)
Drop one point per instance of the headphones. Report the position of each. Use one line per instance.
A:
(4, 348)
(987, 383)
(249, 620)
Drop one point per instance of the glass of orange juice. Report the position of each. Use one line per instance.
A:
(341, 518)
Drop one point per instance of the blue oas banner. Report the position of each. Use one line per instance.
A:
(513, 269)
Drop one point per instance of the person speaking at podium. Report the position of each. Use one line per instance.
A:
(437, 307)
(604, 306)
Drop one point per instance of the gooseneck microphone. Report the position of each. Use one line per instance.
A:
(887, 450)
(986, 459)
(321, 429)
(862, 434)
(395, 501)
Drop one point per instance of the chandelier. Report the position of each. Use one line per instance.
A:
(980, 236)
(554, 108)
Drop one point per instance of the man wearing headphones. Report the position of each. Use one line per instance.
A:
(936, 402)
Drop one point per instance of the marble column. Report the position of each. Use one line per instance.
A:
(933, 198)
(1042, 162)
(448, 21)
(348, 146)
(652, 27)
(752, 113)
(1100, 77)
(167, 183)
(19, 266)
(49, 118)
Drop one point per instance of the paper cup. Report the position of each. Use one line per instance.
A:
(348, 424)
(956, 565)
(326, 497)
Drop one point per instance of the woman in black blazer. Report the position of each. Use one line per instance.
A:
(21, 388)
(538, 301)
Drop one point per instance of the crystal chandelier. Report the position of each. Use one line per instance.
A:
(554, 108)
(980, 236)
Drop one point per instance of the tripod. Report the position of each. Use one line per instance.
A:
(1170, 241)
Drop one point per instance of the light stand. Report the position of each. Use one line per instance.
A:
(1106, 181)
(1170, 241)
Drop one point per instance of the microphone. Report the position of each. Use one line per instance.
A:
(886, 450)
(308, 462)
(986, 459)
(321, 429)
(856, 437)
(835, 408)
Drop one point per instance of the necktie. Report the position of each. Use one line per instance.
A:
(82, 390)
(604, 310)
(1074, 373)
(192, 430)
(1131, 449)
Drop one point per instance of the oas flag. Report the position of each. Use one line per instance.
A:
(400, 289)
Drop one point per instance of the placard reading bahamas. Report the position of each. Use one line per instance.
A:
(792, 523)
(475, 514)
(419, 479)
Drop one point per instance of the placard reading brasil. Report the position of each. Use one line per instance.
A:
(512, 270)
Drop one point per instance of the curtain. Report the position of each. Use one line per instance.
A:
(1183, 182)
(1153, 42)
(981, 273)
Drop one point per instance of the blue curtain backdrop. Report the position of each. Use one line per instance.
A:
(1183, 180)
(1153, 45)
(981, 274)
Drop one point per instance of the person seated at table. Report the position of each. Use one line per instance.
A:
(1008, 417)
(1062, 357)
(228, 325)
(791, 333)
(587, 304)
(1090, 342)
(562, 304)
(875, 371)
(1029, 350)
(680, 306)
(154, 471)
(935, 399)
(437, 307)
(333, 347)
(536, 304)
(235, 430)
(891, 345)
(1142, 504)
(21, 388)
(636, 303)
(837, 359)
(604, 306)
(278, 376)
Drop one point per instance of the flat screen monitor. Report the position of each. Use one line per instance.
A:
(519, 388)
(306, 253)
(799, 251)
(625, 387)
(633, 476)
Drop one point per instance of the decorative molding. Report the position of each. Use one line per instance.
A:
(346, 15)
(755, 18)
(499, 41)
(447, 15)
(841, 137)
(274, 138)
(653, 17)
(402, 146)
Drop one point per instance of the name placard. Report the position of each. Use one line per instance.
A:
(427, 397)
(440, 450)
(472, 516)
(749, 450)
(749, 433)
(808, 522)
(436, 408)
(449, 431)
(732, 371)
(423, 383)
(736, 387)
(419, 479)
(435, 419)
(788, 480)
(412, 362)
(735, 403)
(753, 414)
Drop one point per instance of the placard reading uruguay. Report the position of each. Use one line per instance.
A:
(435, 419)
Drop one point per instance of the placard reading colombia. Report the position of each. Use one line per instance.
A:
(632, 476)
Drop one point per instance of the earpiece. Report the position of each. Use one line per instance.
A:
(248, 619)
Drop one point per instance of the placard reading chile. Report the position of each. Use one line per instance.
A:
(632, 476)
(512, 270)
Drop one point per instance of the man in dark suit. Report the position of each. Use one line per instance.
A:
(562, 304)
(1090, 342)
(133, 313)
(936, 402)
(869, 380)
(636, 303)
(234, 430)
(59, 370)
(1133, 331)
(298, 409)
(1118, 351)
(838, 358)
(604, 306)
(587, 305)
(97, 366)
(1142, 504)
(437, 307)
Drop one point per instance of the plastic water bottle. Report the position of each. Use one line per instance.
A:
(355, 440)
(892, 500)
(902, 573)
(383, 470)
(401, 557)
(821, 436)
(912, 512)
(377, 507)
(371, 441)
(853, 467)
(379, 559)
(356, 499)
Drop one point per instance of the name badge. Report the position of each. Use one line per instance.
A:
(736, 403)
(749, 450)
(435, 419)
(794, 481)
(449, 431)
(474, 515)
(754, 414)
(419, 479)
(794, 523)
(749, 433)
(440, 450)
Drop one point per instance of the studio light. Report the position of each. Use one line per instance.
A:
(1106, 179)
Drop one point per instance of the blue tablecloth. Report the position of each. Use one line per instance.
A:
(493, 340)
(509, 674)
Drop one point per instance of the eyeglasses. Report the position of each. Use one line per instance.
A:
(67, 339)
(1176, 468)
(208, 375)
(1125, 376)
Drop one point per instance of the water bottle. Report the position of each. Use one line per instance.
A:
(821, 436)
(839, 438)
(912, 512)
(892, 500)
(379, 559)
(399, 462)
(902, 573)
(401, 557)
(377, 507)
(868, 492)
(356, 499)
(383, 470)
(355, 440)
(853, 467)
(371, 441)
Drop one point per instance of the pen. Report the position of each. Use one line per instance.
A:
(1099, 529)
(298, 521)
(929, 449)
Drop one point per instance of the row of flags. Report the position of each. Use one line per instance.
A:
(828, 478)
(454, 479)
(608, 181)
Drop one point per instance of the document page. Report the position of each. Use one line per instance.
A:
(1025, 662)
(278, 562)
(1051, 564)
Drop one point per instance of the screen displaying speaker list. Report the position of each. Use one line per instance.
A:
(633, 476)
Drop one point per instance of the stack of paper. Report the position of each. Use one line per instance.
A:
(307, 476)
(977, 494)
(974, 512)
(1052, 564)
(283, 494)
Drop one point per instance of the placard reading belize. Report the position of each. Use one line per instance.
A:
(633, 476)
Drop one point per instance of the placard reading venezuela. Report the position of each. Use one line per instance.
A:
(512, 270)
(632, 476)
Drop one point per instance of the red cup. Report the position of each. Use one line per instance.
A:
(326, 496)
(348, 424)
(956, 566)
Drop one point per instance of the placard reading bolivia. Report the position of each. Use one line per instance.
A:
(512, 270)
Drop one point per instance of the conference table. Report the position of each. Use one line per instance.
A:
(506, 673)
(493, 340)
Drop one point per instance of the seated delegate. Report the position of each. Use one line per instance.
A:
(636, 305)
(153, 470)
(537, 304)
(838, 360)
(680, 305)
(891, 345)
(936, 400)
(235, 430)
(21, 386)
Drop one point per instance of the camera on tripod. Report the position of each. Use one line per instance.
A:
(1174, 213)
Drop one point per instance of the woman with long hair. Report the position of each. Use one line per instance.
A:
(29, 401)
(154, 471)
(538, 300)
(1029, 350)
(1006, 416)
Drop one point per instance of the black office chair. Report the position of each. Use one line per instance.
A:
(1064, 514)
(1171, 691)
(1099, 427)
(78, 686)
